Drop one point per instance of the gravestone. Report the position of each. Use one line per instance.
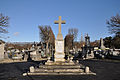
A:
(87, 41)
(2, 44)
(102, 44)
(59, 43)
(87, 50)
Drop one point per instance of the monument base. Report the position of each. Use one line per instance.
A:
(59, 51)
(59, 57)
(60, 68)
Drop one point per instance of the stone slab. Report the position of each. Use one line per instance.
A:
(59, 63)
(91, 73)
(61, 67)
(59, 70)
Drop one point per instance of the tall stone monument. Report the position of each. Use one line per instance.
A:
(102, 44)
(87, 50)
(87, 40)
(59, 43)
(59, 66)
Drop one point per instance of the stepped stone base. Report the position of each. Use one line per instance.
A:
(60, 68)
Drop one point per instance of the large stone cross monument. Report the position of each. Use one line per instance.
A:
(59, 66)
(59, 43)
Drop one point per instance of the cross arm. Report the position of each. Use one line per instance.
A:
(56, 22)
(63, 22)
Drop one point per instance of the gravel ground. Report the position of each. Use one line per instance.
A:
(105, 70)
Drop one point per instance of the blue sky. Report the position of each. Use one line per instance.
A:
(89, 16)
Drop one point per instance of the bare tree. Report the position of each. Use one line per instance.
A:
(114, 24)
(114, 27)
(68, 41)
(47, 36)
(74, 32)
(3, 23)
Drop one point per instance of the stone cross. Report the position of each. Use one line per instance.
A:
(59, 22)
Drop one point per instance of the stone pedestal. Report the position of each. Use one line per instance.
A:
(59, 51)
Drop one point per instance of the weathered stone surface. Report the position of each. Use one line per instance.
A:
(60, 66)
(59, 50)
(59, 46)
(59, 22)
(59, 70)
(2, 50)
(102, 44)
(24, 74)
(87, 69)
(68, 70)
(59, 63)
(56, 73)
(32, 69)
(59, 43)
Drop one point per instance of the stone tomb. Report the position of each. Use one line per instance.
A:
(60, 66)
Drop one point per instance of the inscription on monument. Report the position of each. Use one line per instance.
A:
(59, 46)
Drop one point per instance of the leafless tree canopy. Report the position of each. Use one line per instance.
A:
(74, 32)
(114, 24)
(69, 41)
(46, 34)
(3, 23)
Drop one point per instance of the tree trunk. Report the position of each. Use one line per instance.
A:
(47, 50)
